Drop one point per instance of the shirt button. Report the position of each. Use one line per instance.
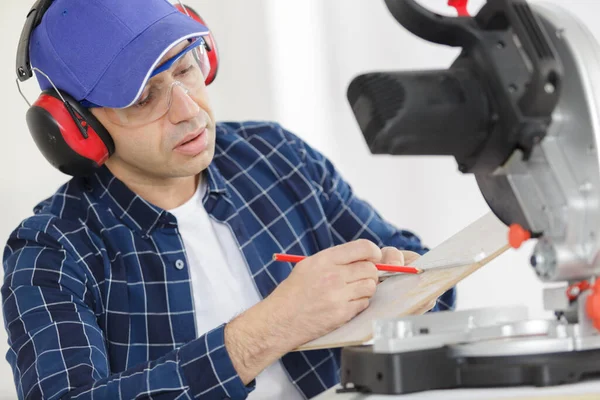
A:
(179, 264)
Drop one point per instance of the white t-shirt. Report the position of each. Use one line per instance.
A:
(222, 286)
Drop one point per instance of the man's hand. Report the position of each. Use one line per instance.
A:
(327, 290)
(323, 292)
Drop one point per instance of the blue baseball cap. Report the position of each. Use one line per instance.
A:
(104, 51)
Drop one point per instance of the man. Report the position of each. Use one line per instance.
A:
(154, 277)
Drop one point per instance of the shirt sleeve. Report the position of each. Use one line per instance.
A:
(352, 218)
(57, 349)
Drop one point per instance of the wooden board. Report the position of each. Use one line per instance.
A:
(402, 295)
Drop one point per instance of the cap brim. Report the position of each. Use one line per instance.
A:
(123, 81)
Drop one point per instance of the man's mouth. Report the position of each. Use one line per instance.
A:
(193, 143)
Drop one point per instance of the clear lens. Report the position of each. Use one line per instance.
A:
(189, 72)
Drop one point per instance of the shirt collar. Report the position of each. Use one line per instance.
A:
(135, 212)
(216, 182)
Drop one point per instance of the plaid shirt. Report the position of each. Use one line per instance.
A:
(97, 298)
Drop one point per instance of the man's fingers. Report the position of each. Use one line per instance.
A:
(360, 270)
(358, 306)
(391, 255)
(364, 288)
(410, 257)
(358, 250)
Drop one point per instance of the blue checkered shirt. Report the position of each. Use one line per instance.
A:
(97, 298)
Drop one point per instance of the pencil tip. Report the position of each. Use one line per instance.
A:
(419, 271)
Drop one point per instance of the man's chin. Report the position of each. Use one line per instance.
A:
(195, 165)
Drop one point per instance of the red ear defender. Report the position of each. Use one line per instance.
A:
(72, 140)
(67, 134)
(213, 54)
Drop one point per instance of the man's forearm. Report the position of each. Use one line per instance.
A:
(189, 370)
(256, 339)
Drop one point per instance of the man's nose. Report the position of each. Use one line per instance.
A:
(183, 106)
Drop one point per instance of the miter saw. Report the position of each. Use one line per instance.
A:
(519, 109)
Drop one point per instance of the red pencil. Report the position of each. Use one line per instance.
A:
(382, 267)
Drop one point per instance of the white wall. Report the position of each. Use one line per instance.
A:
(292, 62)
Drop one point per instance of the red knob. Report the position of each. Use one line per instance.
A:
(592, 305)
(517, 236)
(461, 7)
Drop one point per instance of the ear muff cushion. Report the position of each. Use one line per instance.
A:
(213, 53)
(59, 139)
